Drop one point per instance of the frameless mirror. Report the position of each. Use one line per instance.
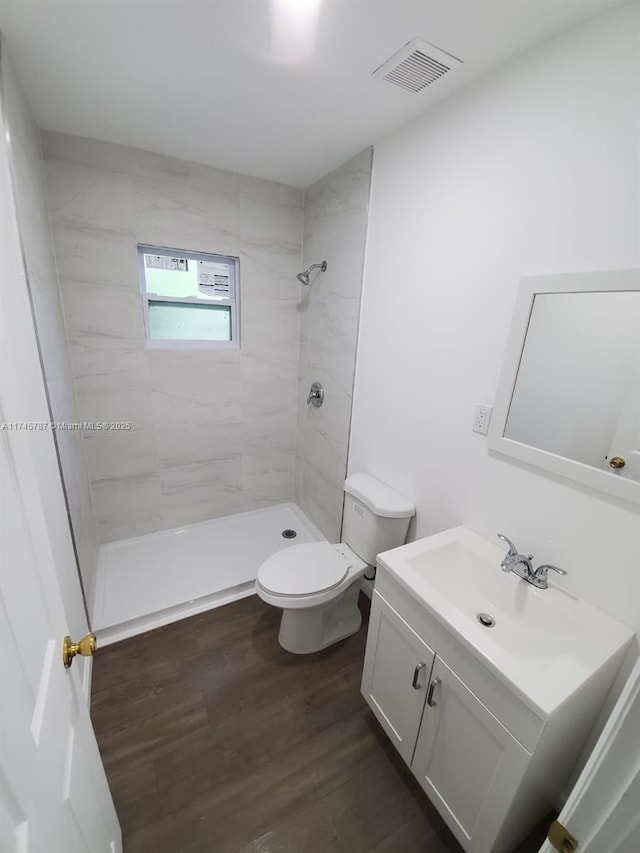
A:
(569, 395)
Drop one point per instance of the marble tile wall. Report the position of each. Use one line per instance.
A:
(30, 192)
(335, 226)
(213, 431)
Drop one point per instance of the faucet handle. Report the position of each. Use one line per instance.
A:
(539, 578)
(544, 568)
(512, 548)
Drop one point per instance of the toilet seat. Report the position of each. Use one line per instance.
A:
(305, 569)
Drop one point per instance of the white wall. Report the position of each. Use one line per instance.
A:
(213, 431)
(335, 227)
(40, 270)
(533, 170)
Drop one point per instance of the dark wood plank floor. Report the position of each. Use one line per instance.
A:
(215, 740)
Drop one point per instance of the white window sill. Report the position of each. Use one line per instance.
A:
(157, 343)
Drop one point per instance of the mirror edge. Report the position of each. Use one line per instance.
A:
(530, 286)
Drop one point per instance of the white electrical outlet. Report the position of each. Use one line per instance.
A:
(481, 419)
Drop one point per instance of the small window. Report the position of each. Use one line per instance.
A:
(189, 296)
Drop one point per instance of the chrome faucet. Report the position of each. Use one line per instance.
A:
(523, 567)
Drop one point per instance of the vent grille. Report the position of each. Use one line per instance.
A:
(416, 72)
(417, 65)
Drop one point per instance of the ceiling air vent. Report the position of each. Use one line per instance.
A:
(416, 66)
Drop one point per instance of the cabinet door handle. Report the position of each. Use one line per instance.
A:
(416, 675)
(432, 689)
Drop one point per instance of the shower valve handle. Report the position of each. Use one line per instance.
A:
(316, 395)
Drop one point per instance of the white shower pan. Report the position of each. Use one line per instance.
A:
(151, 580)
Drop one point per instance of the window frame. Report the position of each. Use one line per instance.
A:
(147, 297)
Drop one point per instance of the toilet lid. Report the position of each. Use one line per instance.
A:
(303, 569)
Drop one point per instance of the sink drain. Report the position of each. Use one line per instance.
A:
(486, 620)
(289, 534)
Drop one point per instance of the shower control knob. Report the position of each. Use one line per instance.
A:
(316, 395)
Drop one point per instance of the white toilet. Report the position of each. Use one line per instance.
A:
(316, 583)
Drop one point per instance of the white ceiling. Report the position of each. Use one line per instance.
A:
(206, 80)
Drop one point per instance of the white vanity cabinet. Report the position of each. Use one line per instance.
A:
(490, 763)
(397, 672)
(466, 760)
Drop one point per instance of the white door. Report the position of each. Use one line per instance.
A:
(397, 667)
(603, 810)
(469, 765)
(54, 796)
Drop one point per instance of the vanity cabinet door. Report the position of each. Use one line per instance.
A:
(397, 669)
(466, 761)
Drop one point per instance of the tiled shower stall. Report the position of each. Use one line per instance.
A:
(213, 431)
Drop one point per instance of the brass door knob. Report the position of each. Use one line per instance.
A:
(561, 839)
(617, 462)
(86, 647)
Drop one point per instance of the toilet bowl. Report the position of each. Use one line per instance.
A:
(316, 584)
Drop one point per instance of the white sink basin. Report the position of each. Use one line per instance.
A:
(544, 643)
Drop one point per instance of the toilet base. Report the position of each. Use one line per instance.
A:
(311, 629)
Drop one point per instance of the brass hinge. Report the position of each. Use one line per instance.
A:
(561, 839)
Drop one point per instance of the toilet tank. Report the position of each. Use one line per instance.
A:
(375, 517)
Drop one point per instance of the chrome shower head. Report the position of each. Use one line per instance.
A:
(303, 277)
